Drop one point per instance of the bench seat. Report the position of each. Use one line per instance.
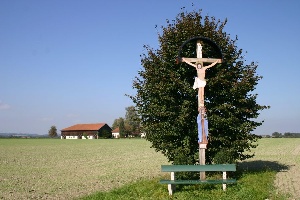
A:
(224, 168)
(221, 181)
(198, 168)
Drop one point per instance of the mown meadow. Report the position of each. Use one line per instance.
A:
(130, 169)
(66, 169)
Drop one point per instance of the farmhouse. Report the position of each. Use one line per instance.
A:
(86, 131)
(116, 133)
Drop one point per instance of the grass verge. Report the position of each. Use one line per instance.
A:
(251, 185)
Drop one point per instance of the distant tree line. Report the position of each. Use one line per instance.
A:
(22, 135)
(52, 133)
(285, 135)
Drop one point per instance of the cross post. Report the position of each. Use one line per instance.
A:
(200, 83)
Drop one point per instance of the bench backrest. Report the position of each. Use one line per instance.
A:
(198, 168)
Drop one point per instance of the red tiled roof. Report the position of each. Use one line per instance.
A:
(116, 130)
(84, 127)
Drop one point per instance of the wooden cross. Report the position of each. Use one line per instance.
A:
(200, 81)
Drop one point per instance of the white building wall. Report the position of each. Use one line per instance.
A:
(71, 137)
(116, 135)
(88, 137)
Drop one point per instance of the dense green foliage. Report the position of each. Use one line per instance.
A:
(119, 123)
(132, 120)
(52, 132)
(167, 102)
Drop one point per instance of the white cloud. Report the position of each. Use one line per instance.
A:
(4, 106)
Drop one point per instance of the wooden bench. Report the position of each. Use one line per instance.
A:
(197, 168)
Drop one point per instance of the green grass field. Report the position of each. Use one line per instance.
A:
(130, 169)
(65, 169)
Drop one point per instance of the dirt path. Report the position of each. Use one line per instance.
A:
(288, 181)
(284, 151)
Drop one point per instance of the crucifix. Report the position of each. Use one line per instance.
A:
(200, 82)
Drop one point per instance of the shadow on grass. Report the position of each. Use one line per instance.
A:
(243, 168)
(261, 165)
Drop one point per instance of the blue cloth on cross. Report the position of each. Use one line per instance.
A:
(200, 128)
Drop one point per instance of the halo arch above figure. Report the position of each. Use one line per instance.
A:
(204, 40)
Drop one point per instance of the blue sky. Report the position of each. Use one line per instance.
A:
(73, 61)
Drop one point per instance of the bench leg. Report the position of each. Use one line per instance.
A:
(224, 178)
(171, 187)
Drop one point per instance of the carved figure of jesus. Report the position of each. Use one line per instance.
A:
(200, 81)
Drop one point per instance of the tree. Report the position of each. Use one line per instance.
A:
(276, 135)
(122, 128)
(117, 122)
(85, 135)
(52, 132)
(132, 120)
(167, 103)
(121, 124)
(131, 124)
